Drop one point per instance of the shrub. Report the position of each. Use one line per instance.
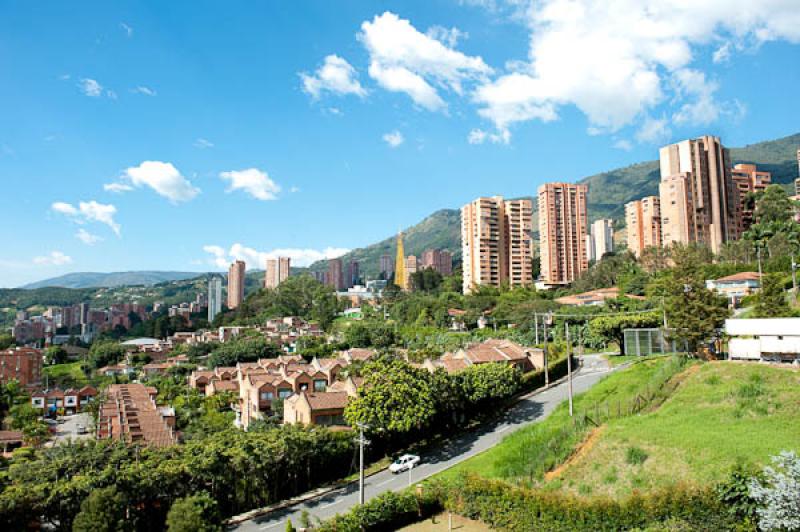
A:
(196, 513)
(777, 493)
(635, 456)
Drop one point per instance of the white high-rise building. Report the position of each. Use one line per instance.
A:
(600, 239)
(214, 297)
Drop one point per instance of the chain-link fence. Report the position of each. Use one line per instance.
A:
(645, 342)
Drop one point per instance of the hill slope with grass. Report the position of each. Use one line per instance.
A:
(658, 423)
(723, 414)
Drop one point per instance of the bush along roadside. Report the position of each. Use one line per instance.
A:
(505, 507)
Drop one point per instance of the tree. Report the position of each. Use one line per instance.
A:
(484, 383)
(694, 313)
(35, 433)
(771, 298)
(778, 493)
(773, 205)
(246, 349)
(102, 511)
(22, 415)
(105, 353)
(395, 398)
(55, 355)
(196, 513)
(611, 328)
(6, 341)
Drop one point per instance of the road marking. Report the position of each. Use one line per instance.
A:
(269, 526)
(384, 483)
(503, 429)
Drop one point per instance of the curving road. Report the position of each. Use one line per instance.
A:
(529, 410)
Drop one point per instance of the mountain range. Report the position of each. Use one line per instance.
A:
(608, 193)
(112, 280)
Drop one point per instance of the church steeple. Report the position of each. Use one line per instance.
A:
(400, 264)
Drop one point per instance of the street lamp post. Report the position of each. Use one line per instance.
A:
(569, 366)
(361, 443)
(794, 281)
(548, 320)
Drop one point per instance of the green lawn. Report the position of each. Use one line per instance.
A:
(722, 414)
(525, 455)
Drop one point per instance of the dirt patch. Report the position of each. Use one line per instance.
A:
(582, 450)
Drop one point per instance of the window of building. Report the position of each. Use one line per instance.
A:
(320, 385)
(267, 396)
(283, 393)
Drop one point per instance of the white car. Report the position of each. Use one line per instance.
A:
(405, 462)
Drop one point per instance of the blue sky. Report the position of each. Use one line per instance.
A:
(179, 135)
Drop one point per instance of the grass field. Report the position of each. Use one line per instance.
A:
(525, 455)
(62, 372)
(723, 413)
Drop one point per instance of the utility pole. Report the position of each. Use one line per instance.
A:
(794, 281)
(569, 367)
(547, 319)
(536, 326)
(759, 262)
(361, 443)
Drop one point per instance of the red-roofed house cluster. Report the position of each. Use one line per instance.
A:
(311, 391)
(69, 401)
(129, 413)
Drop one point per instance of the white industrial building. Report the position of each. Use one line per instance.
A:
(768, 339)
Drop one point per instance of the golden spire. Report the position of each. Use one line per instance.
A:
(400, 264)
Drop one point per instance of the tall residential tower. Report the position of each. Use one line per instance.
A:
(643, 224)
(562, 232)
(236, 284)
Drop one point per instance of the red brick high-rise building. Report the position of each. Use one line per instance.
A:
(22, 364)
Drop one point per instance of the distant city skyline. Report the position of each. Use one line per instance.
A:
(153, 137)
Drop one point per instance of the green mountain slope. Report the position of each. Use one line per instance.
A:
(112, 280)
(441, 230)
(608, 193)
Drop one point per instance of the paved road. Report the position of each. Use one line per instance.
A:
(527, 411)
(69, 429)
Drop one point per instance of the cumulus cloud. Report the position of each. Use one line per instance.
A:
(162, 177)
(203, 143)
(623, 144)
(54, 258)
(654, 130)
(89, 211)
(615, 60)
(447, 36)
(336, 75)
(117, 188)
(91, 87)
(222, 257)
(141, 89)
(402, 59)
(479, 136)
(252, 181)
(87, 238)
(393, 138)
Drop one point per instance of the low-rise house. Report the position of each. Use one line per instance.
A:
(10, 440)
(199, 379)
(256, 394)
(357, 354)
(350, 386)
(129, 413)
(593, 297)
(157, 368)
(735, 287)
(765, 339)
(214, 387)
(494, 351)
(316, 408)
(70, 401)
(116, 369)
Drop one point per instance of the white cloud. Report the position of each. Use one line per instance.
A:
(623, 144)
(203, 143)
(479, 136)
(222, 257)
(654, 131)
(253, 181)
(393, 138)
(294, 189)
(54, 258)
(162, 177)
(87, 238)
(117, 188)
(147, 91)
(617, 60)
(89, 211)
(127, 29)
(402, 59)
(704, 109)
(723, 53)
(447, 36)
(91, 87)
(336, 75)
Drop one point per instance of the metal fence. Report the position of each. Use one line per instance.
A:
(645, 342)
